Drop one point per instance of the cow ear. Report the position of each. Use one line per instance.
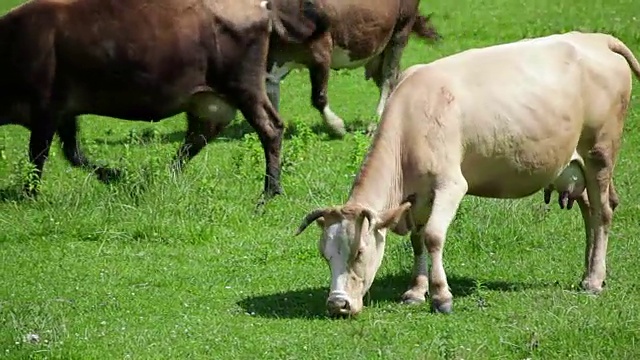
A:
(391, 217)
(320, 221)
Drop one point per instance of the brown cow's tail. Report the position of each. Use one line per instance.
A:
(424, 28)
(291, 27)
(617, 46)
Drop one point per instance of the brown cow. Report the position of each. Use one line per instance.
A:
(369, 33)
(144, 61)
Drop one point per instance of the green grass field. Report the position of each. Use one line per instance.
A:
(152, 268)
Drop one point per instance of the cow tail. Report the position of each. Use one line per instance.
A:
(617, 46)
(424, 28)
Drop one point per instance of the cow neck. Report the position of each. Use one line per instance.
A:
(378, 184)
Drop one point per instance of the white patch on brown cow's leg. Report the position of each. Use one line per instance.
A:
(333, 121)
(446, 200)
(384, 95)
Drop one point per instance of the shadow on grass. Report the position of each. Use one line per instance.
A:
(234, 132)
(13, 194)
(310, 303)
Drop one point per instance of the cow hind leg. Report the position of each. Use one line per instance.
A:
(446, 199)
(598, 169)
(274, 77)
(420, 280)
(207, 116)
(389, 64)
(39, 145)
(319, 75)
(68, 132)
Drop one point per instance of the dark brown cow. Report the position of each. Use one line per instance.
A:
(370, 33)
(144, 60)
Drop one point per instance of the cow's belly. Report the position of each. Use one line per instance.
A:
(513, 165)
(148, 104)
(501, 178)
(342, 59)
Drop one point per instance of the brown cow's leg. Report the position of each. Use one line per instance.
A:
(420, 279)
(275, 75)
(68, 132)
(319, 75)
(39, 144)
(389, 65)
(259, 112)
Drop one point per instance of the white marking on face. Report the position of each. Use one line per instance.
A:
(340, 59)
(336, 250)
(263, 4)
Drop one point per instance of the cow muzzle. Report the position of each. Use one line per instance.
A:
(339, 304)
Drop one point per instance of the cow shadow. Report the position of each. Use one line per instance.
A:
(237, 131)
(13, 193)
(310, 303)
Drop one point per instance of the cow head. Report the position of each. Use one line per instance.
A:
(352, 243)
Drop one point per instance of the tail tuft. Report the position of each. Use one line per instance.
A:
(424, 28)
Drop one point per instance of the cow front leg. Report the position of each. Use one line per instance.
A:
(446, 200)
(319, 75)
(68, 132)
(39, 145)
(266, 121)
(419, 278)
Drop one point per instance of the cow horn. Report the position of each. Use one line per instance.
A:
(311, 217)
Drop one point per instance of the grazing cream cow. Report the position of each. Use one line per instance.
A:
(497, 122)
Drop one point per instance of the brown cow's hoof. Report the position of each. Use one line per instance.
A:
(337, 133)
(547, 195)
(31, 191)
(109, 175)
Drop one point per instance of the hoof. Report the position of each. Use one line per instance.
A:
(592, 287)
(31, 191)
(410, 298)
(108, 175)
(445, 307)
(337, 132)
